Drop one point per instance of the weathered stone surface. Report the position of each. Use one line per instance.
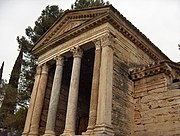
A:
(156, 111)
(126, 56)
(36, 116)
(54, 100)
(70, 125)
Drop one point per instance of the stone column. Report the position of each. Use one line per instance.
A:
(34, 130)
(73, 93)
(95, 89)
(32, 102)
(103, 123)
(51, 119)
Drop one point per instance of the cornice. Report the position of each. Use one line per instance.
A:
(166, 67)
(99, 16)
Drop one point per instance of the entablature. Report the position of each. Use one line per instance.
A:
(85, 39)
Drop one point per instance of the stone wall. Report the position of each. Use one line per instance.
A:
(126, 56)
(157, 106)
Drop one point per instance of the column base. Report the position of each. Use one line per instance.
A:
(89, 131)
(68, 133)
(33, 134)
(24, 134)
(103, 130)
(49, 133)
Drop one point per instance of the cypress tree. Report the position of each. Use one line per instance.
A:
(9, 103)
(1, 72)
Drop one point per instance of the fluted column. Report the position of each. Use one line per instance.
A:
(51, 119)
(73, 93)
(32, 102)
(95, 88)
(103, 123)
(34, 130)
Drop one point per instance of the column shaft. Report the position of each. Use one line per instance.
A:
(103, 122)
(73, 94)
(95, 89)
(54, 100)
(32, 102)
(39, 102)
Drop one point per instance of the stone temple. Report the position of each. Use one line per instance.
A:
(98, 75)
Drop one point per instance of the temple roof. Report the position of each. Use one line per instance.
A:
(75, 22)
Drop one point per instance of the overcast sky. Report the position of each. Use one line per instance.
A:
(159, 20)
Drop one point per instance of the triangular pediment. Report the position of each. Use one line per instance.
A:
(64, 26)
(68, 21)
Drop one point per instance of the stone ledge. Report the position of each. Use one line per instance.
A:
(166, 67)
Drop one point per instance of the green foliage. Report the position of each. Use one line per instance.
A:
(10, 92)
(1, 72)
(9, 102)
(43, 23)
(24, 44)
(27, 72)
(14, 122)
(15, 73)
(79, 4)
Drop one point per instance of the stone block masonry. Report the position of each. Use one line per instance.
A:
(157, 107)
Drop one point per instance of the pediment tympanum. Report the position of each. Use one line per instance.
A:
(69, 20)
(68, 26)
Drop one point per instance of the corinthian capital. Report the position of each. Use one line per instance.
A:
(59, 60)
(45, 68)
(108, 40)
(38, 69)
(77, 52)
(97, 43)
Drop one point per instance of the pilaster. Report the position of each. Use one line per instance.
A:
(103, 123)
